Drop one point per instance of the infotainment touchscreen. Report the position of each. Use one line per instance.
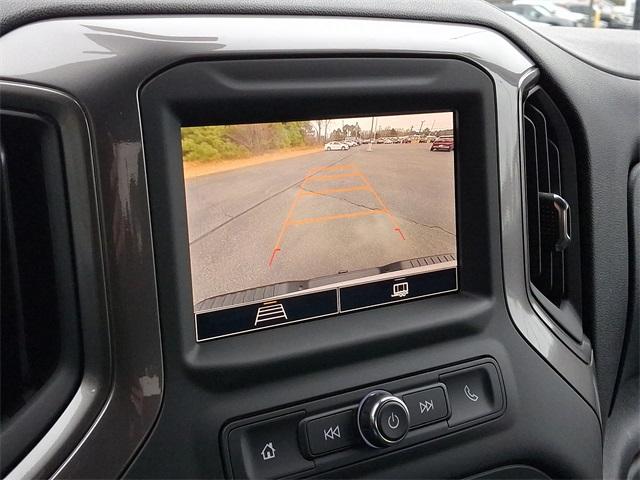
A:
(295, 221)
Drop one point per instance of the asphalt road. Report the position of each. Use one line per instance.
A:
(319, 214)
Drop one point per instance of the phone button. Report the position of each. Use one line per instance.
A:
(473, 393)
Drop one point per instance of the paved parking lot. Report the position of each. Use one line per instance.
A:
(319, 214)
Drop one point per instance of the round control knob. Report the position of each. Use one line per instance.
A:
(383, 419)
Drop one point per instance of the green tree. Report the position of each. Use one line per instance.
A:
(227, 142)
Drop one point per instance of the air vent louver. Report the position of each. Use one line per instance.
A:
(551, 198)
(544, 188)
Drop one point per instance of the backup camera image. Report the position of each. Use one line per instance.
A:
(299, 220)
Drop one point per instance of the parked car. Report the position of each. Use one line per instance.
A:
(443, 143)
(537, 13)
(608, 17)
(406, 140)
(336, 146)
(525, 20)
(555, 10)
(388, 141)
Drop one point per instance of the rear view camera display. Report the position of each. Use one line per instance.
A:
(301, 220)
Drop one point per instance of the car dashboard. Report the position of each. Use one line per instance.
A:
(186, 348)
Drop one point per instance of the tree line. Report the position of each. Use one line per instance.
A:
(227, 142)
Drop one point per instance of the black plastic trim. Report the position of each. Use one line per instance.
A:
(359, 452)
(24, 428)
(84, 249)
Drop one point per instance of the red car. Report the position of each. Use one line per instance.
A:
(444, 143)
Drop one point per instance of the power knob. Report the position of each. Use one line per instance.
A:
(383, 419)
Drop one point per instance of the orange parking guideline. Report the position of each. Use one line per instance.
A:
(329, 191)
(375, 194)
(323, 178)
(312, 176)
(326, 218)
(285, 224)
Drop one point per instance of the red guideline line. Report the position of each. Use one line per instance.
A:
(397, 229)
(273, 255)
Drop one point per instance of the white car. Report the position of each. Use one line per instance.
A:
(555, 10)
(525, 20)
(336, 146)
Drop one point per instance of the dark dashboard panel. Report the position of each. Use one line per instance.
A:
(139, 80)
(568, 79)
(256, 373)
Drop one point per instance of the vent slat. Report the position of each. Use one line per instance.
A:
(555, 176)
(543, 178)
(551, 197)
(533, 210)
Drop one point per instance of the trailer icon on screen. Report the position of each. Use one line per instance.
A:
(400, 290)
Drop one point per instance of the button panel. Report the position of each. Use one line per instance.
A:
(323, 434)
(331, 432)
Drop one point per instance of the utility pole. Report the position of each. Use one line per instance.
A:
(421, 123)
(371, 136)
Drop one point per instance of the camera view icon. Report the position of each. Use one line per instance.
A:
(400, 290)
(269, 312)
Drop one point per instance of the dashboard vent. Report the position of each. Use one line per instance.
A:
(548, 235)
(551, 207)
(39, 329)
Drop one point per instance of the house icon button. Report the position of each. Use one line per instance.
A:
(268, 452)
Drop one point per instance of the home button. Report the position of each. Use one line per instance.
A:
(267, 449)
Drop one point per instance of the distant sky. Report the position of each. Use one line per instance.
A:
(435, 121)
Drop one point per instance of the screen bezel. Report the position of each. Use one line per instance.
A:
(253, 90)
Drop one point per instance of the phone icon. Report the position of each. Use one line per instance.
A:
(470, 395)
